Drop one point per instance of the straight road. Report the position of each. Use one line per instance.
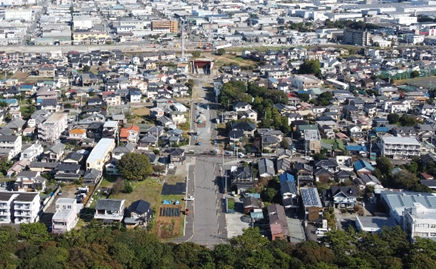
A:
(208, 226)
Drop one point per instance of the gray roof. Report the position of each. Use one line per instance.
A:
(109, 204)
(266, 166)
(26, 197)
(57, 148)
(8, 138)
(398, 201)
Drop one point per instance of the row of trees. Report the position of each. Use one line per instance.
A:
(97, 246)
(403, 120)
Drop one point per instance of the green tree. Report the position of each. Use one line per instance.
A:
(128, 188)
(4, 165)
(86, 68)
(414, 74)
(305, 97)
(196, 54)
(311, 67)
(220, 51)
(393, 118)
(35, 233)
(135, 166)
(408, 120)
(385, 166)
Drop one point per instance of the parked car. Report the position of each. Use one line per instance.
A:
(190, 198)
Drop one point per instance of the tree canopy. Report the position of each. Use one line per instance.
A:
(310, 67)
(135, 166)
(105, 246)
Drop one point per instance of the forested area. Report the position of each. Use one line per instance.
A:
(97, 246)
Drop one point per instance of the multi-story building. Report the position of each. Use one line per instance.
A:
(19, 207)
(171, 26)
(6, 199)
(10, 146)
(414, 211)
(100, 154)
(357, 37)
(419, 221)
(66, 216)
(51, 129)
(399, 147)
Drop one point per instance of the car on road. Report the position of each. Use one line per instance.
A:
(187, 211)
(241, 155)
(228, 153)
(198, 143)
(190, 198)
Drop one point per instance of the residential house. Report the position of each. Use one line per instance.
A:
(66, 215)
(28, 181)
(250, 204)
(54, 153)
(109, 210)
(341, 196)
(77, 134)
(241, 178)
(277, 222)
(288, 190)
(32, 152)
(304, 173)
(363, 167)
(67, 172)
(138, 213)
(266, 168)
(130, 134)
(311, 203)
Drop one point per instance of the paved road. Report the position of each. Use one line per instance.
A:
(208, 226)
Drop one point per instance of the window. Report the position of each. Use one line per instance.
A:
(433, 226)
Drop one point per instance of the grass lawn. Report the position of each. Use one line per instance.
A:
(141, 111)
(148, 190)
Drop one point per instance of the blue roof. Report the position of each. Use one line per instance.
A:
(254, 195)
(381, 129)
(9, 101)
(362, 164)
(356, 148)
(287, 177)
(256, 215)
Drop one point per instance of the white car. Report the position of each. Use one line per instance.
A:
(190, 198)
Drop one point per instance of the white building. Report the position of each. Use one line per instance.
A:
(10, 146)
(419, 221)
(399, 147)
(305, 82)
(66, 216)
(32, 152)
(414, 211)
(51, 129)
(16, 207)
(100, 154)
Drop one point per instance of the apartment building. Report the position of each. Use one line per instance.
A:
(19, 207)
(10, 146)
(100, 154)
(66, 215)
(51, 129)
(399, 147)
